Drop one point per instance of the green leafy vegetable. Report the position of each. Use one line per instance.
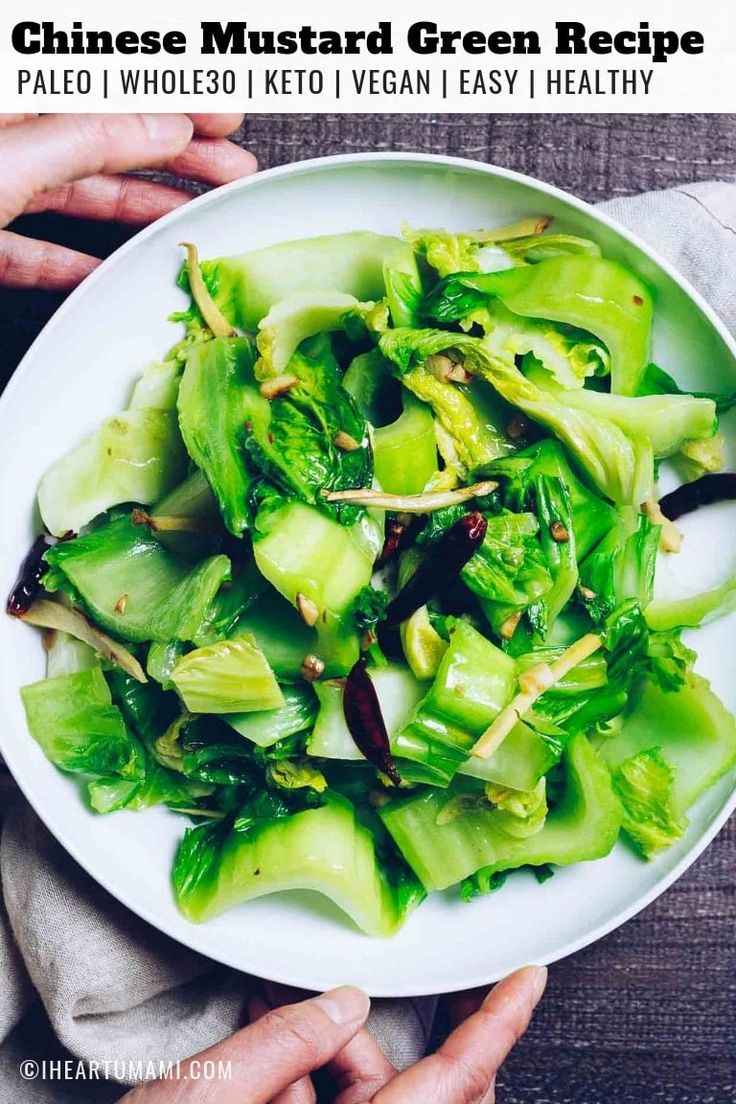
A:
(569, 355)
(583, 826)
(670, 661)
(520, 813)
(292, 320)
(475, 680)
(323, 849)
(232, 676)
(311, 438)
(158, 787)
(161, 660)
(405, 452)
(158, 387)
(468, 414)
(594, 294)
(233, 602)
(246, 287)
(192, 501)
(292, 774)
(135, 456)
(132, 586)
(370, 381)
(557, 539)
(620, 464)
(79, 729)
(216, 389)
(278, 630)
(592, 517)
(369, 608)
(644, 784)
(404, 291)
(302, 552)
(484, 250)
(509, 572)
(487, 880)
(268, 726)
(398, 693)
(448, 253)
(669, 421)
(65, 655)
(655, 381)
(270, 805)
(693, 610)
(249, 523)
(622, 565)
(693, 730)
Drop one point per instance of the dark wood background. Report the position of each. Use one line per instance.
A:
(647, 1015)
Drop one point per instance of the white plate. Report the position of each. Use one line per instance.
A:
(80, 370)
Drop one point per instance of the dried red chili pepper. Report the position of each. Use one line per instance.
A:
(443, 564)
(720, 487)
(28, 584)
(365, 721)
(395, 533)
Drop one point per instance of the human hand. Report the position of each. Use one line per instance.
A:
(273, 1058)
(75, 165)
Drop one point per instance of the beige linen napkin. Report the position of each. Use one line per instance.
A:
(114, 988)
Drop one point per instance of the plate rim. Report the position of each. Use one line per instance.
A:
(193, 939)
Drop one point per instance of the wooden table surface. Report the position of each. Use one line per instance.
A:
(648, 1014)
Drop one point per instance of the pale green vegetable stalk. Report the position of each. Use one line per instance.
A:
(620, 464)
(135, 456)
(245, 287)
(292, 320)
(694, 609)
(306, 555)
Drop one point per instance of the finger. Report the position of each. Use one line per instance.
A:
(11, 118)
(277, 994)
(115, 198)
(302, 1092)
(460, 1006)
(54, 149)
(359, 1070)
(463, 1069)
(27, 263)
(212, 161)
(271, 1054)
(216, 126)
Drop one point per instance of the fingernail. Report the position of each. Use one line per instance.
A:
(344, 1005)
(539, 985)
(167, 129)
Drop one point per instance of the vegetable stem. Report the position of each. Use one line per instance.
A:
(670, 537)
(51, 615)
(163, 523)
(412, 504)
(534, 683)
(200, 294)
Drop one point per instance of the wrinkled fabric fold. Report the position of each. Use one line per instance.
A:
(113, 987)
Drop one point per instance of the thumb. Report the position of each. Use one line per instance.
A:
(52, 150)
(265, 1058)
